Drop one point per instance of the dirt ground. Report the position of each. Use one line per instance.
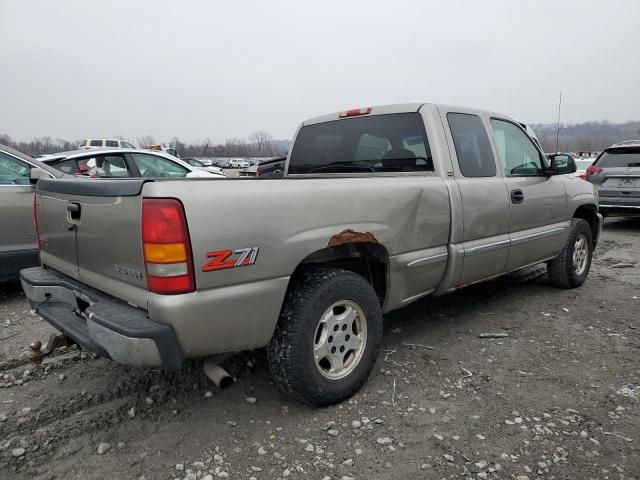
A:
(558, 398)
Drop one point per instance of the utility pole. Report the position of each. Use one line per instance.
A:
(558, 124)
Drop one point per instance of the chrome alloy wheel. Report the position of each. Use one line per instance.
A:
(340, 339)
(580, 255)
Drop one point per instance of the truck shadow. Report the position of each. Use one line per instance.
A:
(622, 224)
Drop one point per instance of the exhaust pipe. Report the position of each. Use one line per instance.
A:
(216, 373)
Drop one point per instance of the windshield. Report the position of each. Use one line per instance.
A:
(620, 157)
(381, 143)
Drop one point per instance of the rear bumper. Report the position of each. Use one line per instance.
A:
(100, 323)
(619, 206)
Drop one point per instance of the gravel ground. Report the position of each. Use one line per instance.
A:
(558, 397)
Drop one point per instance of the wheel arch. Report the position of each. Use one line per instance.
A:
(589, 213)
(368, 259)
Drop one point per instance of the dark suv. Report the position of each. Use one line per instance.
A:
(616, 173)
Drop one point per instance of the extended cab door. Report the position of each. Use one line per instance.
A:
(484, 236)
(537, 201)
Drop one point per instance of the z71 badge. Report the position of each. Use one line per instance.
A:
(223, 259)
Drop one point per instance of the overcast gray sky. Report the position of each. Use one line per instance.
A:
(197, 69)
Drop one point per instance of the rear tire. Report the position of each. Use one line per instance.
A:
(327, 337)
(571, 267)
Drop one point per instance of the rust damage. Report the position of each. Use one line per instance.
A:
(351, 236)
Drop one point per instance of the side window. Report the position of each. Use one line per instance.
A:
(95, 143)
(127, 145)
(108, 166)
(518, 153)
(111, 143)
(67, 166)
(471, 142)
(13, 171)
(154, 166)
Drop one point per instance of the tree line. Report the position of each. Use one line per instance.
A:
(584, 137)
(576, 137)
(258, 144)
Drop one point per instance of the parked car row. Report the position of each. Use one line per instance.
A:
(124, 162)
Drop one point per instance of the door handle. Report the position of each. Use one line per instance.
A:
(74, 211)
(517, 196)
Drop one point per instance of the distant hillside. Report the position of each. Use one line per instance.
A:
(588, 136)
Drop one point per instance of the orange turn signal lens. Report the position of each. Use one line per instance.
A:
(165, 252)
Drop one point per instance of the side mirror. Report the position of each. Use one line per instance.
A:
(36, 174)
(561, 164)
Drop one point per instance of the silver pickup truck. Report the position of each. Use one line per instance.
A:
(378, 207)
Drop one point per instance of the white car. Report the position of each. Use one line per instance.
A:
(124, 162)
(238, 163)
(199, 164)
(105, 143)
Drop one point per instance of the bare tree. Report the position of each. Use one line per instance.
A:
(145, 140)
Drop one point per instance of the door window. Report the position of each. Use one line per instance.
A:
(519, 155)
(471, 142)
(104, 166)
(154, 166)
(95, 143)
(111, 143)
(13, 171)
(67, 166)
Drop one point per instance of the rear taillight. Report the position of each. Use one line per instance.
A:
(257, 170)
(35, 221)
(583, 176)
(167, 251)
(355, 112)
(593, 170)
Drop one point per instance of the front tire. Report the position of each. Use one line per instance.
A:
(327, 337)
(571, 267)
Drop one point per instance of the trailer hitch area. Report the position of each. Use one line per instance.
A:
(38, 352)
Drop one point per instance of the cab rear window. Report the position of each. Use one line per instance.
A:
(381, 143)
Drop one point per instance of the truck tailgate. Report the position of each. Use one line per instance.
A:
(90, 230)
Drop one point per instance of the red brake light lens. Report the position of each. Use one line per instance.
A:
(356, 112)
(162, 221)
(593, 170)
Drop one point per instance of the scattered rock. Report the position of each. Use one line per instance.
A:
(18, 452)
(448, 458)
(132, 412)
(251, 400)
(384, 441)
(332, 432)
(103, 448)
